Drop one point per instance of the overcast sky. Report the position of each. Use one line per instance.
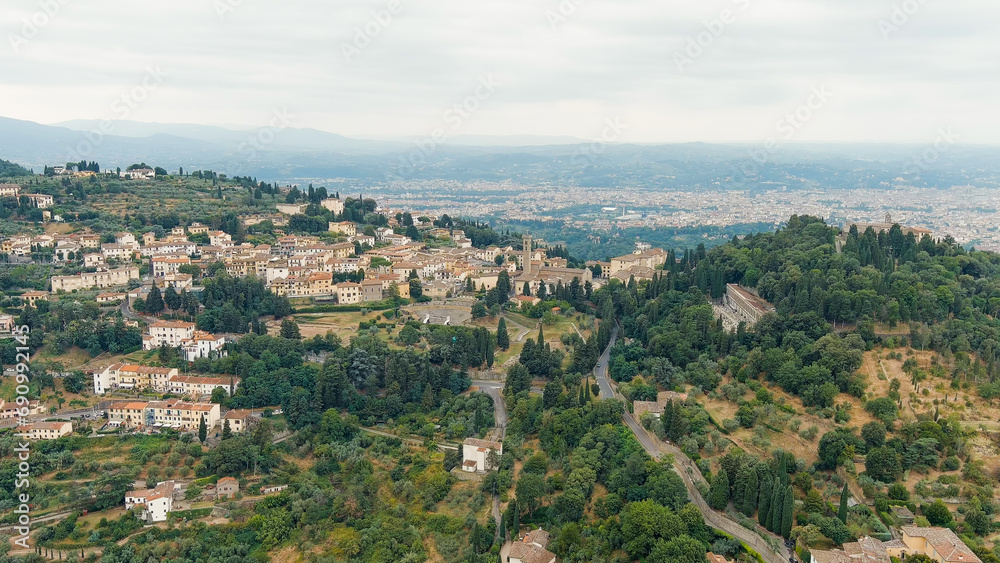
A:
(561, 67)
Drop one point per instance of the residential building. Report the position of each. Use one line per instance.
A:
(95, 280)
(203, 345)
(348, 293)
(131, 376)
(532, 549)
(15, 410)
(336, 205)
(939, 544)
(10, 190)
(371, 290)
(227, 487)
(139, 174)
(347, 228)
(476, 452)
(155, 503)
(238, 420)
(41, 201)
(173, 413)
(32, 297)
(171, 333)
(6, 324)
(163, 265)
(197, 386)
(45, 430)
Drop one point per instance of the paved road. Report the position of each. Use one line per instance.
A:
(686, 469)
(495, 390)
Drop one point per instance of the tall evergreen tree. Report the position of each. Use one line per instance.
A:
(202, 430)
(154, 303)
(786, 512)
(764, 500)
(774, 514)
(842, 512)
(749, 482)
(503, 339)
(718, 495)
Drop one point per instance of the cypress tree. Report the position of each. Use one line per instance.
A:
(582, 399)
(842, 513)
(774, 514)
(718, 495)
(786, 513)
(202, 430)
(764, 502)
(503, 339)
(750, 493)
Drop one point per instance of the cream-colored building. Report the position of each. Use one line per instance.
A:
(45, 430)
(163, 414)
(939, 544)
(344, 227)
(348, 293)
(95, 280)
(238, 420)
(197, 386)
(336, 205)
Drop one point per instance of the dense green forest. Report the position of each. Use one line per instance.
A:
(10, 170)
(831, 307)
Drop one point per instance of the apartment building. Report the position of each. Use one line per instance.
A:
(163, 265)
(174, 413)
(171, 333)
(45, 430)
(95, 280)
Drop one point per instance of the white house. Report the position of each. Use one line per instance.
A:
(475, 453)
(171, 333)
(155, 502)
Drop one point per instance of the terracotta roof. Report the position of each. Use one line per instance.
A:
(531, 554)
(945, 542)
(482, 443)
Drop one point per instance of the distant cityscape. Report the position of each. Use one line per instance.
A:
(969, 215)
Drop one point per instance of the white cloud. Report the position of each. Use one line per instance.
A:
(608, 58)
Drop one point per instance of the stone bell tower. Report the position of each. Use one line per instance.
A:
(526, 259)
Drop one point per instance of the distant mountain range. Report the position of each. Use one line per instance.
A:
(300, 155)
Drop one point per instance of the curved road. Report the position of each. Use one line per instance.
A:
(495, 390)
(687, 470)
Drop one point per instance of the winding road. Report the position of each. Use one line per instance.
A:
(687, 470)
